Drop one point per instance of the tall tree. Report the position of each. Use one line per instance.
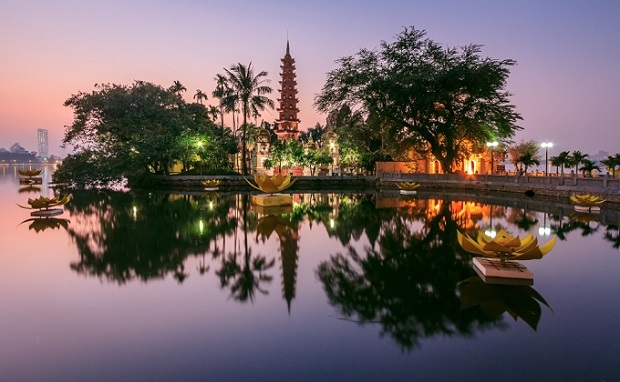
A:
(250, 91)
(611, 162)
(527, 150)
(562, 160)
(439, 96)
(578, 158)
(200, 96)
(220, 92)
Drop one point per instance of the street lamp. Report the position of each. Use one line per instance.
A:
(492, 146)
(546, 145)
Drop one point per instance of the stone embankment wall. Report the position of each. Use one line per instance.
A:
(552, 186)
(238, 183)
(556, 188)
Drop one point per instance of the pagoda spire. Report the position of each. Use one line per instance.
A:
(288, 121)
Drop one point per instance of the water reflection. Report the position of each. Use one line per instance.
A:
(42, 223)
(407, 284)
(519, 301)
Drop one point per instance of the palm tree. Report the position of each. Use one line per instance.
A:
(562, 160)
(528, 159)
(213, 112)
(220, 92)
(611, 162)
(249, 90)
(177, 87)
(200, 96)
(577, 158)
(588, 167)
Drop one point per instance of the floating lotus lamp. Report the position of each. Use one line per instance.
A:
(407, 188)
(505, 246)
(44, 205)
(29, 173)
(586, 202)
(211, 184)
(499, 250)
(272, 184)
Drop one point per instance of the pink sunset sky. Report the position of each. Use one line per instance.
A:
(564, 85)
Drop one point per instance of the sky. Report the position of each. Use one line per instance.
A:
(564, 84)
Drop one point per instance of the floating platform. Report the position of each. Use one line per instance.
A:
(408, 192)
(30, 180)
(496, 271)
(48, 212)
(272, 210)
(269, 200)
(588, 209)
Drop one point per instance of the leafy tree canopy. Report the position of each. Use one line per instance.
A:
(123, 131)
(428, 94)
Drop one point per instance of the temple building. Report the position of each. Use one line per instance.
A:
(288, 122)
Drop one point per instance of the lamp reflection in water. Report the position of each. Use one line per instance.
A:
(490, 232)
(544, 230)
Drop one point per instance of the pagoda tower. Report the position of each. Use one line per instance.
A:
(288, 122)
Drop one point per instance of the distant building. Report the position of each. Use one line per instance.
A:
(599, 156)
(42, 143)
(17, 149)
(288, 122)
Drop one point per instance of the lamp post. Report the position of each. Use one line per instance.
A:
(492, 146)
(546, 145)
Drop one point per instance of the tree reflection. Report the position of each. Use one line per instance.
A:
(122, 236)
(408, 285)
(245, 279)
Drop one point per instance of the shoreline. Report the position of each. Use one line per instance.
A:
(548, 188)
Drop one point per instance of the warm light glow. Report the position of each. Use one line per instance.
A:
(492, 144)
(134, 212)
(544, 231)
(490, 233)
(201, 226)
(211, 205)
(331, 223)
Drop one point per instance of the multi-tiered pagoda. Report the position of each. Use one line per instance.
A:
(287, 122)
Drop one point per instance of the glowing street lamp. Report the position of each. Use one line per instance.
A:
(546, 146)
(492, 146)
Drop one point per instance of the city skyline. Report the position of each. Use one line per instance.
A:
(563, 85)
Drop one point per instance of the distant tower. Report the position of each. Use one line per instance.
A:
(42, 142)
(287, 121)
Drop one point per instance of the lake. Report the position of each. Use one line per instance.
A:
(159, 286)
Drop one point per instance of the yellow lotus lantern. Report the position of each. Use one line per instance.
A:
(29, 173)
(31, 176)
(586, 202)
(45, 205)
(497, 266)
(211, 184)
(407, 188)
(272, 184)
(505, 246)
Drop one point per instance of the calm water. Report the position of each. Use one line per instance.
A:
(342, 287)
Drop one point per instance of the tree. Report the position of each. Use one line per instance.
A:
(200, 96)
(577, 158)
(611, 162)
(588, 167)
(528, 159)
(250, 91)
(438, 96)
(315, 133)
(123, 131)
(562, 160)
(525, 150)
(220, 92)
